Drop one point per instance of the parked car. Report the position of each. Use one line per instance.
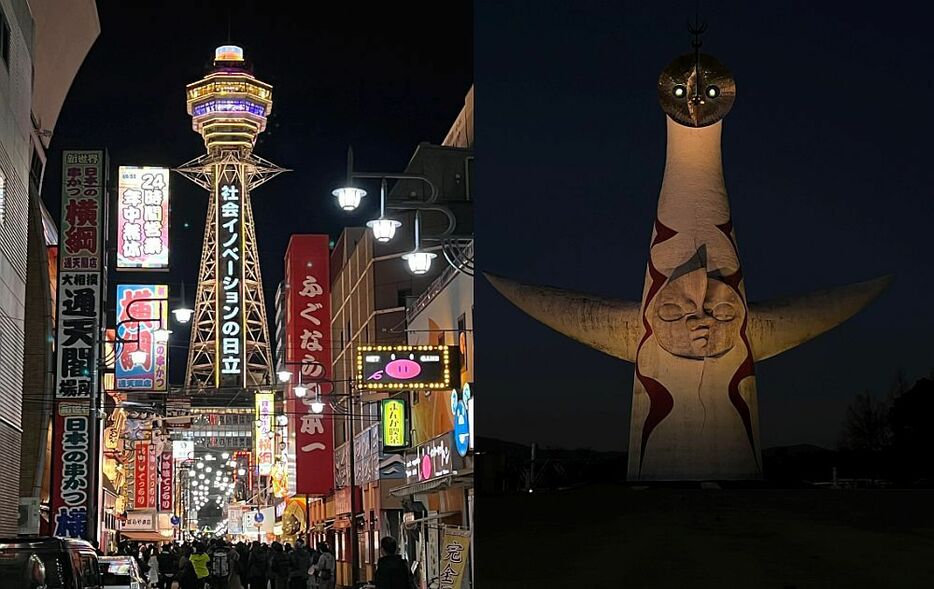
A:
(40, 562)
(121, 572)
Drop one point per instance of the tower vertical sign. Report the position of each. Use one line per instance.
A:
(308, 349)
(229, 289)
(77, 337)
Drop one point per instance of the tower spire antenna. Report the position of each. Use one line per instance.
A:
(697, 29)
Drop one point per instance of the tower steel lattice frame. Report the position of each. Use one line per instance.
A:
(203, 345)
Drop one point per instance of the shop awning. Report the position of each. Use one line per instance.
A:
(421, 487)
(145, 536)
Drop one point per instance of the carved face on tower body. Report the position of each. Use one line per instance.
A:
(696, 91)
(697, 316)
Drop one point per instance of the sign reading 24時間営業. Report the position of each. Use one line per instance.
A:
(384, 368)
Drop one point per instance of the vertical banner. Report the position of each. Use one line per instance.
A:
(228, 187)
(79, 307)
(80, 258)
(143, 218)
(166, 467)
(141, 310)
(395, 426)
(143, 474)
(455, 549)
(71, 469)
(82, 211)
(308, 351)
(264, 442)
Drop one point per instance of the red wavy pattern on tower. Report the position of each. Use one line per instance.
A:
(661, 402)
(746, 368)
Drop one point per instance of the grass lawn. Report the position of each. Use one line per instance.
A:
(620, 537)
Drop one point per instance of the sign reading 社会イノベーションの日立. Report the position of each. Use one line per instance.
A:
(386, 368)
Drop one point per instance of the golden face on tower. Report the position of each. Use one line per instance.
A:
(696, 91)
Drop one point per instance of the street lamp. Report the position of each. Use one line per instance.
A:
(300, 391)
(317, 406)
(349, 196)
(161, 335)
(284, 375)
(183, 313)
(383, 229)
(138, 357)
(456, 253)
(419, 261)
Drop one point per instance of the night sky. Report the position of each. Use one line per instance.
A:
(380, 77)
(827, 163)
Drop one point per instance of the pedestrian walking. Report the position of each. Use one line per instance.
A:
(199, 561)
(278, 571)
(325, 567)
(258, 564)
(392, 571)
(301, 561)
(153, 574)
(168, 566)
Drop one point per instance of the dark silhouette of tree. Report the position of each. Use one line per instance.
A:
(866, 427)
(913, 433)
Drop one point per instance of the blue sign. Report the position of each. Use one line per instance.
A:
(176, 520)
(461, 429)
(259, 517)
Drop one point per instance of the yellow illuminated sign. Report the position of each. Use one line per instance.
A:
(395, 430)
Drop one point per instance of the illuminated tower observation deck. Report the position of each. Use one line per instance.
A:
(229, 337)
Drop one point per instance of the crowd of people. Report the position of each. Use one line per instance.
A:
(220, 565)
(216, 564)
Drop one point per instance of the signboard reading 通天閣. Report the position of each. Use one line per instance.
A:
(80, 284)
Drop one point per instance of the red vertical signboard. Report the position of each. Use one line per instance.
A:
(308, 350)
(165, 481)
(142, 476)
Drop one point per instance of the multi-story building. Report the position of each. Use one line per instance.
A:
(443, 316)
(371, 289)
(42, 45)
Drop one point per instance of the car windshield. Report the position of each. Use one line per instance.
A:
(116, 572)
(18, 568)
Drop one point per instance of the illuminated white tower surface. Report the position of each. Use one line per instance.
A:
(229, 337)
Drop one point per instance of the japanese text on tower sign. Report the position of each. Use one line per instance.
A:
(229, 264)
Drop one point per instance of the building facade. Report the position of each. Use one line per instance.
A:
(42, 45)
(372, 292)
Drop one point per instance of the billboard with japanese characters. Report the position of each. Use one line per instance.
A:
(143, 218)
(263, 440)
(71, 469)
(83, 202)
(142, 310)
(78, 331)
(229, 187)
(308, 356)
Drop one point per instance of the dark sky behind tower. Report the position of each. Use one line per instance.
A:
(827, 163)
(381, 77)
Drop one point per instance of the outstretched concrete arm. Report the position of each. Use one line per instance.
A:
(780, 325)
(609, 325)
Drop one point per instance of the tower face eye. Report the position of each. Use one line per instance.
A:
(679, 91)
(713, 91)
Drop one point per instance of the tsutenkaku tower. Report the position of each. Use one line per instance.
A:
(229, 337)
